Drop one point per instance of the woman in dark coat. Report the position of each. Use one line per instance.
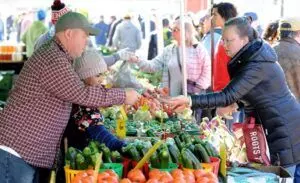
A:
(257, 82)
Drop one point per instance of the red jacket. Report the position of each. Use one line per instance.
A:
(220, 73)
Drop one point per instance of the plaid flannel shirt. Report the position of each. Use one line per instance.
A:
(39, 105)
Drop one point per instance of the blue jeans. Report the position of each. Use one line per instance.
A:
(15, 170)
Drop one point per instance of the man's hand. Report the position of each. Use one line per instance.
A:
(132, 96)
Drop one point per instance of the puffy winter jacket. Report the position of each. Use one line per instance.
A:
(258, 81)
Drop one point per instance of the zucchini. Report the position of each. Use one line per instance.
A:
(106, 155)
(93, 159)
(154, 161)
(93, 147)
(201, 153)
(191, 147)
(182, 136)
(86, 152)
(186, 161)
(150, 133)
(164, 157)
(178, 142)
(195, 161)
(134, 153)
(174, 153)
(71, 157)
(187, 139)
(197, 140)
(81, 163)
(116, 157)
(212, 151)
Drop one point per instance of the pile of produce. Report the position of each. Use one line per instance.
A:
(106, 50)
(155, 176)
(216, 132)
(183, 149)
(86, 159)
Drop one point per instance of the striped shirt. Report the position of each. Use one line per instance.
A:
(39, 105)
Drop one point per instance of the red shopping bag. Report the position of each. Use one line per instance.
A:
(255, 139)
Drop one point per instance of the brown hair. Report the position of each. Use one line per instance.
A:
(226, 10)
(271, 33)
(243, 26)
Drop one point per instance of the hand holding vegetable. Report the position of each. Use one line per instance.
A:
(178, 104)
(226, 112)
(132, 96)
(125, 54)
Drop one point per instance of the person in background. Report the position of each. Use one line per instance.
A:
(253, 19)
(111, 22)
(167, 32)
(39, 105)
(205, 26)
(288, 51)
(271, 33)
(220, 14)
(257, 81)
(102, 36)
(127, 35)
(205, 30)
(112, 29)
(27, 20)
(59, 9)
(19, 26)
(9, 26)
(152, 48)
(198, 64)
(34, 32)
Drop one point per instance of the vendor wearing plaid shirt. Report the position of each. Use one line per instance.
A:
(39, 106)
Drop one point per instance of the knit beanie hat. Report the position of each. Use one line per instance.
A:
(58, 9)
(89, 64)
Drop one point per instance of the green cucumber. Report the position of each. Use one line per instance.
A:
(81, 163)
(195, 161)
(175, 153)
(106, 155)
(164, 157)
(154, 161)
(201, 153)
(178, 142)
(186, 161)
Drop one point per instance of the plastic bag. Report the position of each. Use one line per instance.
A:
(246, 175)
(124, 78)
